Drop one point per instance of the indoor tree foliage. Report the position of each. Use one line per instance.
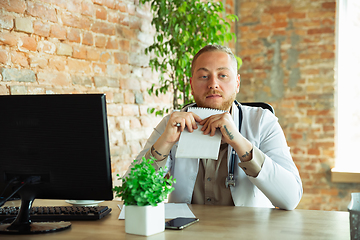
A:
(183, 28)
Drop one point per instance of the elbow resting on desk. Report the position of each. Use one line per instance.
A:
(287, 201)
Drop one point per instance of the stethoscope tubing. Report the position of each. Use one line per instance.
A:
(233, 153)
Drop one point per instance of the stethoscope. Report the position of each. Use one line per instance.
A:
(230, 180)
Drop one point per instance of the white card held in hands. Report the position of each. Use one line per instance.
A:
(196, 144)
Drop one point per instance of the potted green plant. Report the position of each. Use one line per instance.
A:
(143, 192)
(182, 29)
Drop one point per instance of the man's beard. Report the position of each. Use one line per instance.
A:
(224, 106)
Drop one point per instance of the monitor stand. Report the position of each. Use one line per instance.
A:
(23, 225)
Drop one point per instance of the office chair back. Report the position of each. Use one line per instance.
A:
(263, 105)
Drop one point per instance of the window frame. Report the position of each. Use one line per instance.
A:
(340, 174)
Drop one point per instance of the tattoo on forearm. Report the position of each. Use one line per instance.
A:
(231, 136)
(245, 155)
(156, 151)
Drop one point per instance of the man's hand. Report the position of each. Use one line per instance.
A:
(225, 123)
(230, 134)
(176, 124)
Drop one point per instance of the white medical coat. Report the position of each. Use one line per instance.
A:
(277, 185)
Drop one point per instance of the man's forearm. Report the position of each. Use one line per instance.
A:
(160, 149)
(243, 147)
(244, 150)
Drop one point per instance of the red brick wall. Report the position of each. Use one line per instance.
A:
(288, 49)
(84, 46)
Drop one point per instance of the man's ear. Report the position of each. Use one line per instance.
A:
(191, 86)
(238, 83)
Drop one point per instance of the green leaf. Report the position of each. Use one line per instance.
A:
(183, 28)
(150, 110)
(144, 186)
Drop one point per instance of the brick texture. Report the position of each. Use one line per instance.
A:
(72, 46)
(288, 52)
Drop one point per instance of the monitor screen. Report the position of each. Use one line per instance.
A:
(62, 140)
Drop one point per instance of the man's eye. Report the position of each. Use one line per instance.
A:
(203, 77)
(222, 75)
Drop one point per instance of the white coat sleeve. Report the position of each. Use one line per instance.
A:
(279, 177)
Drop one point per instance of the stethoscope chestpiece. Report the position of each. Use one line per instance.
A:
(230, 181)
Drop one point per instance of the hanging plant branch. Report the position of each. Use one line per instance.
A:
(183, 28)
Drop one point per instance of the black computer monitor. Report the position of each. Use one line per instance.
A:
(53, 147)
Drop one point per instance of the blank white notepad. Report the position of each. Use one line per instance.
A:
(196, 144)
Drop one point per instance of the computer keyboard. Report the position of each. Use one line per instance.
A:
(56, 213)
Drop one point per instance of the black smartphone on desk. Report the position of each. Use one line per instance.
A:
(180, 223)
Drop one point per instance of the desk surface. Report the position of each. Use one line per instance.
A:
(216, 222)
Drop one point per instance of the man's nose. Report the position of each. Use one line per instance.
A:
(213, 82)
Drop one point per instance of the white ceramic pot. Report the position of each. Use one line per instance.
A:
(145, 220)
